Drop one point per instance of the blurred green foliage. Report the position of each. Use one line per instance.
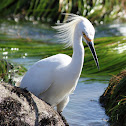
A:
(108, 49)
(50, 11)
(8, 71)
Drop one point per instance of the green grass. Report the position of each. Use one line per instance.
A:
(9, 70)
(114, 99)
(110, 60)
(96, 11)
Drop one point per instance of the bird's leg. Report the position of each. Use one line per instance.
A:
(60, 108)
(62, 104)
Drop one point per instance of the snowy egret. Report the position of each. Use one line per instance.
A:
(54, 78)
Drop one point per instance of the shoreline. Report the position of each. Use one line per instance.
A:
(114, 100)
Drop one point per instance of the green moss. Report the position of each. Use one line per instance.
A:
(114, 100)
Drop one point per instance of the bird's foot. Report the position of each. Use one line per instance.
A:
(47, 103)
(63, 118)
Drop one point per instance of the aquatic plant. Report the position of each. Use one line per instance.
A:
(110, 51)
(4, 71)
(8, 71)
(98, 11)
(114, 99)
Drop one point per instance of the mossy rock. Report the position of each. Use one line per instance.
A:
(114, 100)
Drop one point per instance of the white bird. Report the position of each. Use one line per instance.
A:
(54, 78)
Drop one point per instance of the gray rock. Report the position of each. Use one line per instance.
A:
(18, 107)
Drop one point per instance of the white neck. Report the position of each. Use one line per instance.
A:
(78, 56)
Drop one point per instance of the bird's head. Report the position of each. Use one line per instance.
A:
(83, 28)
(87, 32)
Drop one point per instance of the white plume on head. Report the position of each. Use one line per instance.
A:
(65, 31)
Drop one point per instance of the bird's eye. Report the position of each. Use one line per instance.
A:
(89, 40)
(84, 34)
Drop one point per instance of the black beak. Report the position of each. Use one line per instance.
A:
(91, 46)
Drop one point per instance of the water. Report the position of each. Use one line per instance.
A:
(28, 30)
(27, 62)
(111, 30)
(45, 33)
(84, 108)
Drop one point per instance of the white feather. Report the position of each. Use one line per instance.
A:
(65, 31)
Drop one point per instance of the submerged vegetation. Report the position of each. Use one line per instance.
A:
(98, 11)
(114, 99)
(110, 51)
